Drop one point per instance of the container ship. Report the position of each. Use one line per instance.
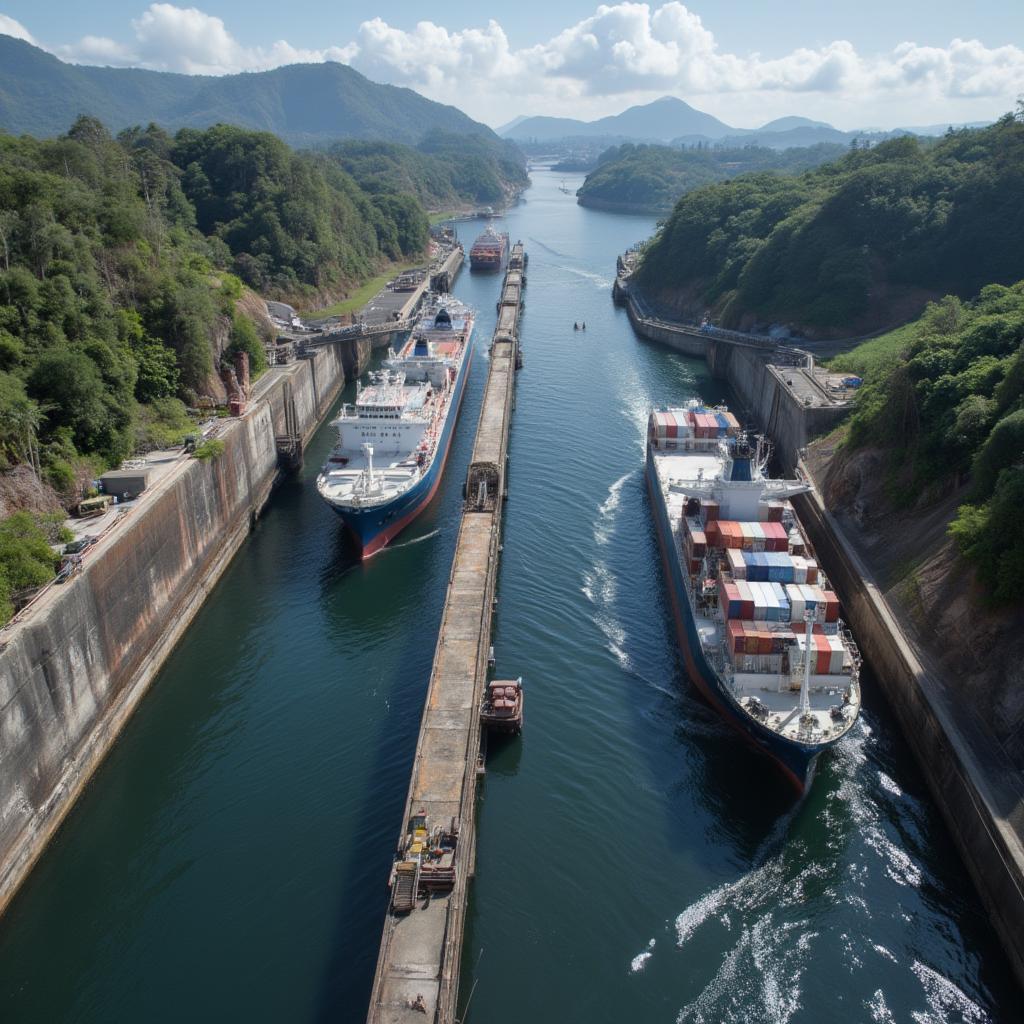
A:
(758, 626)
(393, 442)
(489, 250)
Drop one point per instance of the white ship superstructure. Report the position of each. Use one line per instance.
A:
(393, 441)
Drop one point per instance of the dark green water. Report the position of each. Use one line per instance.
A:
(229, 860)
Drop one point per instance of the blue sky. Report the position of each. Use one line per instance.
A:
(860, 64)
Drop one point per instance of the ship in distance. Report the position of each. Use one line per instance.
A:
(489, 250)
(757, 624)
(393, 442)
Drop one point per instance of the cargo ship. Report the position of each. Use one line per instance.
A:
(393, 442)
(757, 624)
(489, 250)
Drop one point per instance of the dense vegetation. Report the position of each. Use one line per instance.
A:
(944, 397)
(444, 171)
(304, 104)
(652, 178)
(26, 558)
(121, 263)
(904, 217)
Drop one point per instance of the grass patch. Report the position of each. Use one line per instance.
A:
(362, 295)
(874, 356)
(442, 215)
(209, 450)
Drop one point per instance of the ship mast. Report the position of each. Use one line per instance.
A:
(805, 685)
(368, 452)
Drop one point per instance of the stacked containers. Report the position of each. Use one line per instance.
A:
(775, 537)
(799, 569)
(732, 424)
(794, 593)
(705, 425)
(737, 564)
(709, 511)
(729, 599)
(746, 599)
(781, 602)
(812, 571)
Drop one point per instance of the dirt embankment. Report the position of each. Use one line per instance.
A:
(979, 651)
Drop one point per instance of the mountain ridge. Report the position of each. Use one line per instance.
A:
(304, 104)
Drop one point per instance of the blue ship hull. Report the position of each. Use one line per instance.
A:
(797, 760)
(373, 528)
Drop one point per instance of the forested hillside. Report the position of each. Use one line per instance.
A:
(854, 244)
(649, 179)
(122, 263)
(305, 104)
(444, 171)
(943, 399)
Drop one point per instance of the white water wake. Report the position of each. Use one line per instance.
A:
(412, 540)
(607, 509)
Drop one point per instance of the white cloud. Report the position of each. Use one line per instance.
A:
(185, 39)
(10, 27)
(623, 52)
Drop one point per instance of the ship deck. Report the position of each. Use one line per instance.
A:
(778, 691)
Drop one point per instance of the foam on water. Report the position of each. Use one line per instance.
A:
(946, 1003)
(606, 511)
(638, 962)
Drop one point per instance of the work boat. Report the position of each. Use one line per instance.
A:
(757, 623)
(394, 441)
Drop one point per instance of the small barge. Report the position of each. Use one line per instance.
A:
(502, 708)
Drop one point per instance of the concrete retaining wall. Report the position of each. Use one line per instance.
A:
(73, 671)
(975, 806)
(767, 402)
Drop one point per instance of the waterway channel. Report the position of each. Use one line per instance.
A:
(635, 863)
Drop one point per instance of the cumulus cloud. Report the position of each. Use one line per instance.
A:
(10, 27)
(627, 51)
(186, 39)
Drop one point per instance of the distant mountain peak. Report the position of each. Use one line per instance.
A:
(785, 124)
(658, 121)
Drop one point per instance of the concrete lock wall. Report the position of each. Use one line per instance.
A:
(976, 812)
(760, 386)
(72, 672)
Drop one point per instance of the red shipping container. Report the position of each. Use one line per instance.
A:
(824, 652)
(775, 537)
(831, 606)
(812, 571)
(734, 632)
(764, 643)
(709, 511)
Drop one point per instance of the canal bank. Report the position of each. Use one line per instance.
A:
(975, 788)
(74, 668)
(230, 858)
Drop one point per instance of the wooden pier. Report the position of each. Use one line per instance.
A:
(417, 974)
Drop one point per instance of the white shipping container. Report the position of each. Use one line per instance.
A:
(737, 566)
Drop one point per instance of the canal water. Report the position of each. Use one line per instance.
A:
(635, 862)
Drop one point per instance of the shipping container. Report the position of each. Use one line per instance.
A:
(775, 537)
(796, 602)
(733, 424)
(747, 598)
(799, 568)
(709, 512)
(812, 571)
(736, 563)
(831, 606)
